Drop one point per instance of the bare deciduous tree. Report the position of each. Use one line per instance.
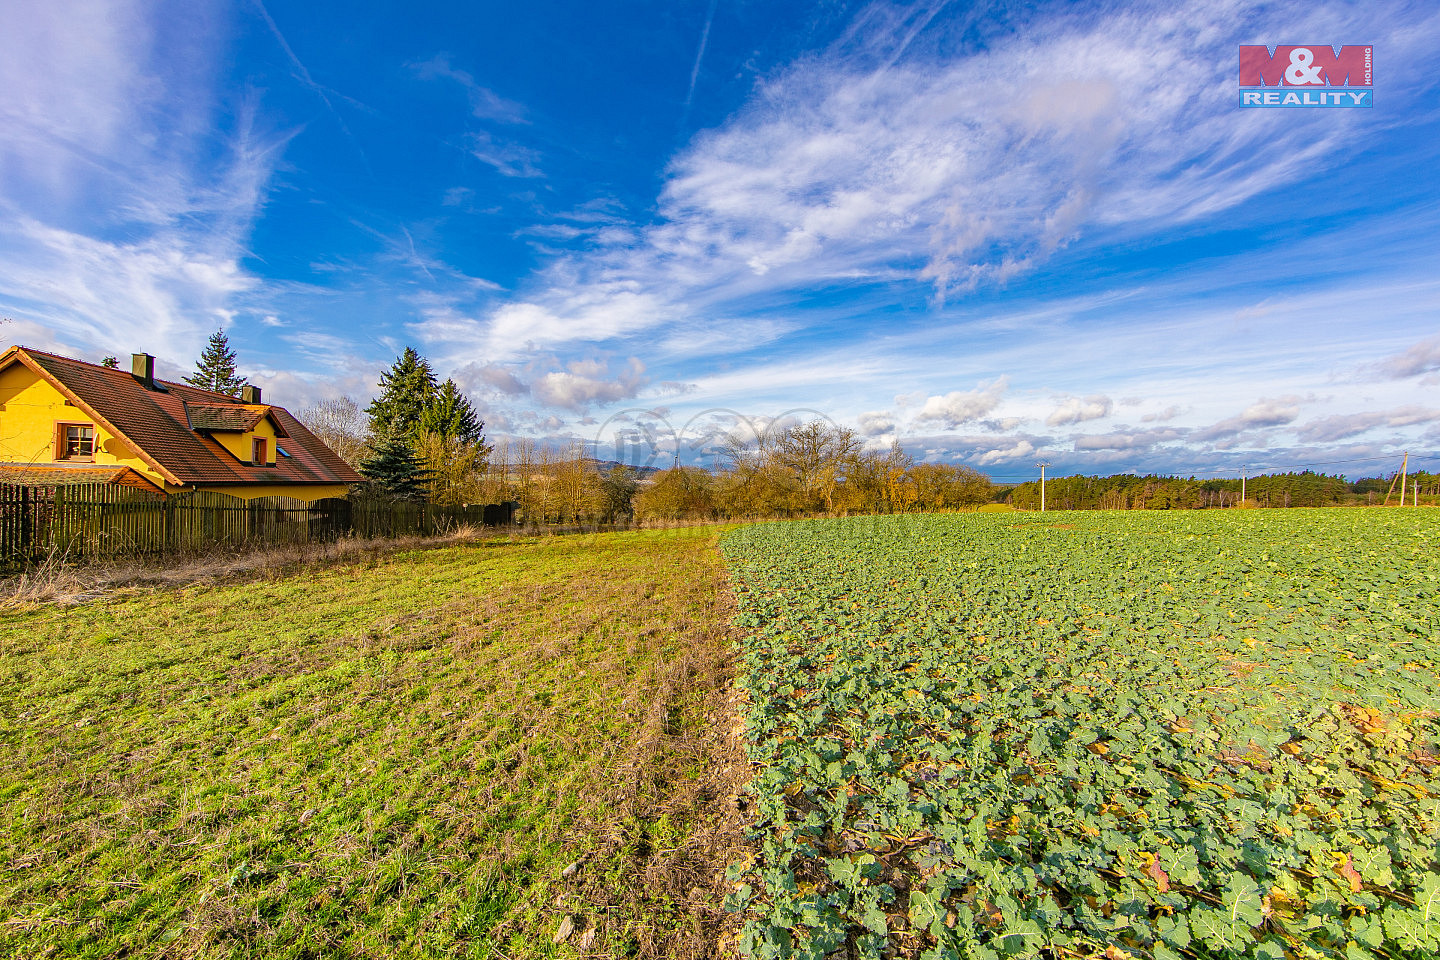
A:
(340, 424)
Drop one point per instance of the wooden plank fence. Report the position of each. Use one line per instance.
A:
(97, 521)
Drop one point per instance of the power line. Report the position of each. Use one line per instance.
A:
(1223, 474)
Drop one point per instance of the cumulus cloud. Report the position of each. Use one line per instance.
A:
(1339, 427)
(1264, 413)
(587, 382)
(493, 376)
(876, 422)
(1016, 450)
(1078, 410)
(960, 406)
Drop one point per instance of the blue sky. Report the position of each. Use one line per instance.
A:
(997, 233)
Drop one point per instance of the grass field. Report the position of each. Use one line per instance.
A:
(396, 757)
(1198, 735)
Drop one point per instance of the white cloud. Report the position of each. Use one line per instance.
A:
(485, 104)
(586, 382)
(860, 163)
(128, 196)
(957, 407)
(1127, 440)
(1261, 414)
(1078, 410)
(1004, 454)
(876, 422)
(1169, 413)
(1423, 357)
(1340, 426)
(492, 376)
(508, 157)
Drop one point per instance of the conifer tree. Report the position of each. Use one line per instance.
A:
(395, 469)
(215, 370)
(406, 389)
(449, 415)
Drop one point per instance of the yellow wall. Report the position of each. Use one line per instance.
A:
(29, 409)
(317, 491)
(239, 443)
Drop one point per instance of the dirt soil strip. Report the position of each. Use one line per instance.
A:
(694, 725)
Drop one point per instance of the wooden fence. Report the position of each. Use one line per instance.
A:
(95, 521)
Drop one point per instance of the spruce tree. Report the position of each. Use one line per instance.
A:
(406, 389)
(395, 469)
(450, 415)
(215, 370)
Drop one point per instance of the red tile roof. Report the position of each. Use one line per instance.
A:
(155, 422)
(225, 417)
(55, 474)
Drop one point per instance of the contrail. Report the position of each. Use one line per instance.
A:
(699, 55)
(307, 80)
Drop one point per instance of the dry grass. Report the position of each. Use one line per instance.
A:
(60, 580)
(392, 755)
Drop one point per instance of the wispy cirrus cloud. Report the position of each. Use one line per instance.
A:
(485, 104)
(129, 199)
(1342, 426)
(1422, 358)
(1129, 440)
(881, 161)
(1264, 413)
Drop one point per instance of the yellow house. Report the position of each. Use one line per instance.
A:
(67, 421)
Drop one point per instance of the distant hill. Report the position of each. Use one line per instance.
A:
(605, 466)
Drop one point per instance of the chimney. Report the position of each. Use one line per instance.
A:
(249, 393)
(142, 367)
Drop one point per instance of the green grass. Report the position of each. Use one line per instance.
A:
(390, 758)
(1148, 735)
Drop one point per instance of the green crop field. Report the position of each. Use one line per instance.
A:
(398, 757)
(1200, 735)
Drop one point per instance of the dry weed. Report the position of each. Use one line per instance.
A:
(61, 581)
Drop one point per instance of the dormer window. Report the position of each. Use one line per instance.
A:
(260, 451)
(74, 441)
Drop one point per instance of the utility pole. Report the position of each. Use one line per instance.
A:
(1243, 471)
(1400, 478)
(1042, 464)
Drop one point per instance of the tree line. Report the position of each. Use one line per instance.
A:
(1152, 492)
(421, 439)
(808, 469)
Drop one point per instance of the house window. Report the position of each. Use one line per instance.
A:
(259, 452)
(75, 441)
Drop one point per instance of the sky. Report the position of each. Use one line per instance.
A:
(995, 233)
